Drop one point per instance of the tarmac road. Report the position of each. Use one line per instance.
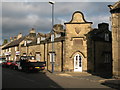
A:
(18, 79)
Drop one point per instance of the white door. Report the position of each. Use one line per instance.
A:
(77, 63)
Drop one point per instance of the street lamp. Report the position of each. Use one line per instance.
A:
(52, 35)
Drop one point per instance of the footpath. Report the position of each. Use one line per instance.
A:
(111, 82)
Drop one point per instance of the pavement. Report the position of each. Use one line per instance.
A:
(111, 82)
(114, 83)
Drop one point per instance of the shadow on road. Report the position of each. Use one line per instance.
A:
(12, 79)
(112, 85)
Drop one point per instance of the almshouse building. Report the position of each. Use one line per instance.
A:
(115, 18)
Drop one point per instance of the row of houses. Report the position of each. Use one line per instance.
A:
(77, 48)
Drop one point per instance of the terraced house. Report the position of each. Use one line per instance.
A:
(12, 50)
(76, 48)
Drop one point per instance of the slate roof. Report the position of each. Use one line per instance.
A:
(48, 40)
(14, 43)
(98, 35)
(59, 31)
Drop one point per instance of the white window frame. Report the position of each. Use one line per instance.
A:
(51, 57)
(52, 37)
(42, 38)
(58, 35)
(25, 42)
(15, 48)
(29, 41)
(39, 57)
(9, 49)
(38, 40)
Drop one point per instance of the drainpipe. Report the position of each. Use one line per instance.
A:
(61, 56)
(94, 56)
(44, 52)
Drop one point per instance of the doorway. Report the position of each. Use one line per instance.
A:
(77, 63)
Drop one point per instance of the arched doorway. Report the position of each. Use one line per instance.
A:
(77, 63)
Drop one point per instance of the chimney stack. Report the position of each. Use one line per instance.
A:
(103, 26)
(11, 38)
(15, 37)
(32, 30)
(19, 35)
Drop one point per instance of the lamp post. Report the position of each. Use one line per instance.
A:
(52, 35)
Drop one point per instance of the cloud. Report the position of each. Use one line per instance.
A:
(21, 16)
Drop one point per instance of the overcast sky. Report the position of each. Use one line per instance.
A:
(20, 17)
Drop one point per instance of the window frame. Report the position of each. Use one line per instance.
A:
(50, 54)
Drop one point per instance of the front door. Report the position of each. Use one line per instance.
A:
(77, 63)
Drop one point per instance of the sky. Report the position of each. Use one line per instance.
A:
(20, 17)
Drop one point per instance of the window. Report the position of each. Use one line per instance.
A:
(52, 38)
(38, 56)
(6, 50)
(16, 48)
(25, 43)
(58, 35)
(42, 38)
(106, 37)
(52, 54)
(9, 49)
(107, 58)
(38, 40)
(29, 41)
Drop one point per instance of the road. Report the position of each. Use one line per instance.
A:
(18, 79)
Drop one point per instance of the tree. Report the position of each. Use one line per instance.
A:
(5, 41)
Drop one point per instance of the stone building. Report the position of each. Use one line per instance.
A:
(28, 39)
(99, 48)
(73, 50)
(115, 19)
(70, 45)
(12, 50)
(41, 48)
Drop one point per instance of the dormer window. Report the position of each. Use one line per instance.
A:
(25, 43)
(106, 37)
(38, 40)
(29, 41)
(52, 37)
(58, 35)
(42, 38)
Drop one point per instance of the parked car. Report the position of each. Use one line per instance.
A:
(7, 63)
(29, 63)
(14, 65)
(2, 60)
